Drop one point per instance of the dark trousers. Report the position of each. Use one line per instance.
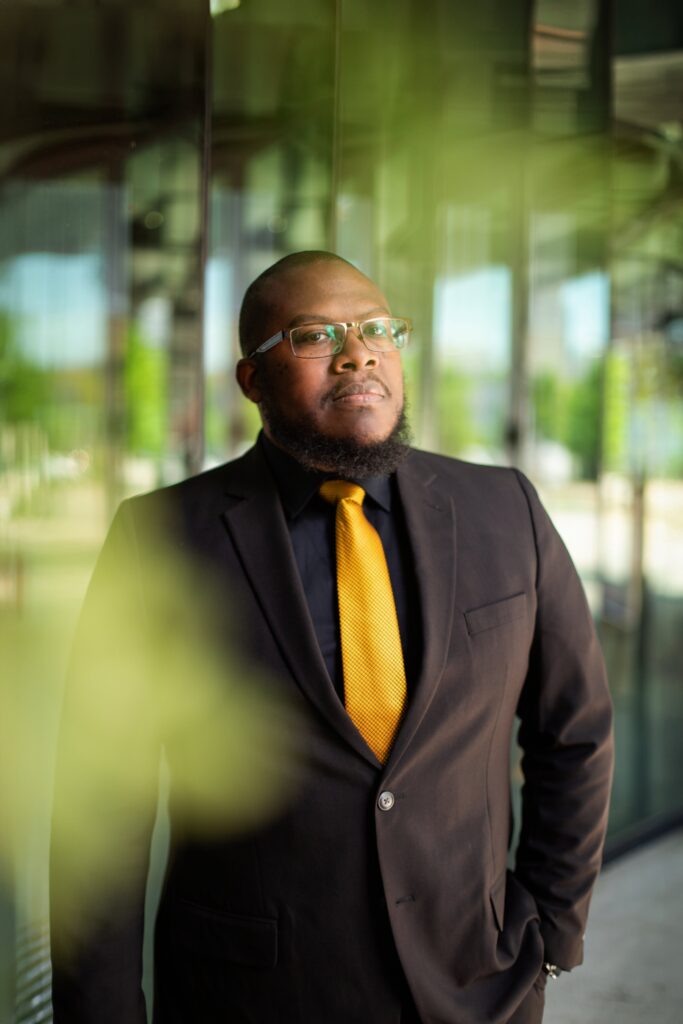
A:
(529, 1011)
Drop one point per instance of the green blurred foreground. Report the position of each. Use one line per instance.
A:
(134, 688)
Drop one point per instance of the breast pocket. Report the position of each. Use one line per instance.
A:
(500, 613)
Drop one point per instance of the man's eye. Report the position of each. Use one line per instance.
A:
(316, 337)
(375, 330)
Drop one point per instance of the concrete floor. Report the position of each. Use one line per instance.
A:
(633, 967)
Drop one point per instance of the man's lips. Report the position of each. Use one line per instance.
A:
(365, 393)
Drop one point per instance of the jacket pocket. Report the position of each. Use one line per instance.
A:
(218, 935)
(497, 614)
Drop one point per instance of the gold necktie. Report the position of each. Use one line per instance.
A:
(372, 657)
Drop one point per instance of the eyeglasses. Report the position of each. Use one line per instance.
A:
(320, 340)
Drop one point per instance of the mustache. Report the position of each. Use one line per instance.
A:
(356, 387)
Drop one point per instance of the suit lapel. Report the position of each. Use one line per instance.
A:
(256, 522)
(430, 519)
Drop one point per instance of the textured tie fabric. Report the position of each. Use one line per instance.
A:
(372, 657)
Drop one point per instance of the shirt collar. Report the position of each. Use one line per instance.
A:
(297, 485)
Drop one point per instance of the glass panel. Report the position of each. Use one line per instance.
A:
(425, 202)
(642, 492)
(606, 441)
(272, 116)
(101, 218)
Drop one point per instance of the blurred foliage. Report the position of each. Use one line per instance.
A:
(569, 412)
(616, 412)
(454, 412)
(623, 415)
(145, 388)
(549, 403)
(583, 420)
(24, 387)
(228, 740)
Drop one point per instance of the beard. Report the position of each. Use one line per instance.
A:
(344, 456)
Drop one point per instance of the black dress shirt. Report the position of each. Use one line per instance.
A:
(311, 524)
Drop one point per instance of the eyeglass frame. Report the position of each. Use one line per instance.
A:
(286, 333)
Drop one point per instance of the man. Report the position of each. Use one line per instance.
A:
(380, 894)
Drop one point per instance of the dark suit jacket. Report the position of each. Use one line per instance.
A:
(321, 915)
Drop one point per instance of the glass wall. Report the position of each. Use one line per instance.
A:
(102, 228)
(640, 555)
(509, 172)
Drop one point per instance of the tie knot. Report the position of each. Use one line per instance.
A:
(335, 491)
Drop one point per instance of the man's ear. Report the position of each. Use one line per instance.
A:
(246, 373)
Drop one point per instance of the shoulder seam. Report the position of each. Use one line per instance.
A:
(520, 481)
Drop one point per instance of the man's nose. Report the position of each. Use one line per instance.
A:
(355, 353)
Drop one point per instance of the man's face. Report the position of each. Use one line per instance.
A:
(355, 396)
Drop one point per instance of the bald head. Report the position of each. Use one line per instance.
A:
(261, 297)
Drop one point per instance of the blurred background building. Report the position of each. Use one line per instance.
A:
(509, 171)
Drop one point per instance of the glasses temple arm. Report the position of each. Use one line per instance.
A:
(270, 343)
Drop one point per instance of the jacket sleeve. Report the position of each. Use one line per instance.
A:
(105, 798)
(565, 734)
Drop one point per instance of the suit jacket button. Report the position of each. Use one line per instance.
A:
(386, 800)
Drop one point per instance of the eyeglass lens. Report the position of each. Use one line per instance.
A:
(379, 334)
